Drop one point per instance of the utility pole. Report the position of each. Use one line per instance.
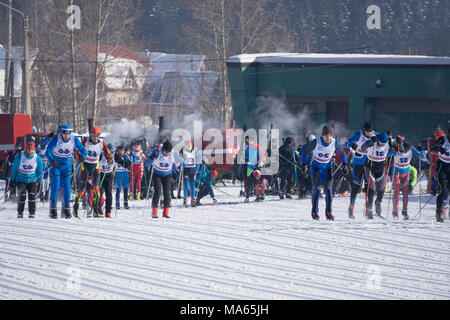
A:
(26, 84)
(26, 88)
(8, 58)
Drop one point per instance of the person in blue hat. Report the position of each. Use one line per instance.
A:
(377, 149)
(60, 156)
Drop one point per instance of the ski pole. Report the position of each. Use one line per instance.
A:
(148, 192)
(420, 186)
(368, 182)
(179, 184)
(221, 191)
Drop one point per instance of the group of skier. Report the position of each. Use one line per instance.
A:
(90, 167)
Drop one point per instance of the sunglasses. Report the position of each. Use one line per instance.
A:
(66, 132)
(95, 135)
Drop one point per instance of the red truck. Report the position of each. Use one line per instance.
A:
(16, 129)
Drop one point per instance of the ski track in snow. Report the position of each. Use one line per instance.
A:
(269, 250)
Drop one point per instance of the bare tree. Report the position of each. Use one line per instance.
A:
(222, 28)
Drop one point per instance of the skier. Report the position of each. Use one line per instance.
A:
(206, 179)
(59, 154)
(403, 153)
(164, 164)
(323, 149)
(287, 163)
(378, 149)
(106, 180)
(305, 179)
(45, 185)
(433, 157)
(27, 172)
(137, 171)
(254, 159)
(359, 160)
(442, 145)
(191, 158)
(123, 164)
(90, 171)
(10, 185)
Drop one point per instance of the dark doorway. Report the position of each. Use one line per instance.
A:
(338, 111)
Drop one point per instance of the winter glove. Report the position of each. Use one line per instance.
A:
(345, 170)
(442, 150)
(354, 146)
(80, 159)
(373, 139)
(398, 140)
(54, 163)
(51, 135)
(419, 148)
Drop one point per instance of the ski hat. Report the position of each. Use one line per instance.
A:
(368, 126)
(167, 146)
(65, 129)
(383, 138)
(29, 146)
(288, 140)
(257, 174)
(214, 174)
(95, 131)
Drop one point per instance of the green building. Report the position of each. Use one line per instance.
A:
(408, 94)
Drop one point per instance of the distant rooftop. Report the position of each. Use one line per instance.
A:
(329, 58)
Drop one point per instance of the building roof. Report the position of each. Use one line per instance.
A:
(116, 62)
(344, 59)
(173, 62)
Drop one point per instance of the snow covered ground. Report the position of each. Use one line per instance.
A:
(270, 250)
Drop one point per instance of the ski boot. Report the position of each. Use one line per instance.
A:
(281, 195)
(258, 199)
(130, 196)
(117, 205)
(261, 198)
(246, 199)
(288, 196)
(19, 215)
(369, 214)
(185, 203)
(108, 215)
(314, 215)
(31, 215)
(439, 215)
(138, 196)
(329, 216)
(405, 214)
(75, 208)
(166, 213)
(350, 211)
(53, 212)
(65, 213)
(125, 205)
(46, 196)
(214, 201)
(155, 213)
(378, 208)
(395, 214)
(193, 203)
